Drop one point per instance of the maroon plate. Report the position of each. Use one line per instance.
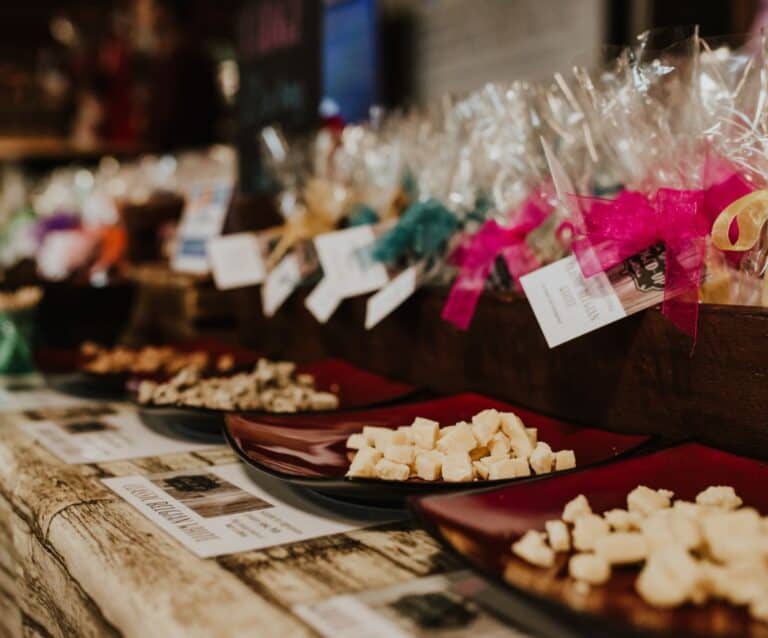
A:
(310, 450)
(480, 527)
(355, 388)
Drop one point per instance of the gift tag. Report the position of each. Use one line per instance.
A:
(203, 219)
(566, 304)
(236, 261)
(279, 284)
(344, 266)
(393, 295)
(323, 300)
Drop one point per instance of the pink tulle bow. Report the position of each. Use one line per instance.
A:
(614, 230)
(476, 255)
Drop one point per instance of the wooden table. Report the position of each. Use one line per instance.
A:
(75, 560)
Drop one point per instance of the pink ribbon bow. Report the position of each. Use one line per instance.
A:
(615, 230)
(476, 255)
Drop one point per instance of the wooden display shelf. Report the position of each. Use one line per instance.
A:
(636, 375)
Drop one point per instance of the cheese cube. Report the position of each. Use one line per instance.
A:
(499, 445)
(481, 469)
(565, 460)
(457, 467)
(622, 548)
(558, 536)
(733, 536)
(405, 434)
(364, 463)
(485, 424)
(589, 568)
(428, 465)
(576, 508)
(587, 529)
(645, 501)
(501, 469)
(669, 578)
(399, 453)
(479, 453)
(391, 471)
(667, 526)
(622, 520)
(399, 437)
(719, 496)
(532, 549)
(533, 435)
(521, 467)
(519, 441)
(425, 433)
(357, 441)
(459, 439)
(378, 437)
(541, 458)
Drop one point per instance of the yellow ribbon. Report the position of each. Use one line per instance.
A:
(751, 213)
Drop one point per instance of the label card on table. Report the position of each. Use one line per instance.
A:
(18, 399)
(279, 284)
(420, 608)
(339, 255)
(95, 433)
(221, 510)
(236, 261)
(323, 300)
(202, 220)
(391, 296)
(568, 305)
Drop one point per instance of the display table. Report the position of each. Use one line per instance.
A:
(76, 560)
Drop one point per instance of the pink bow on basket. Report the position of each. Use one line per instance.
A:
(476, 255)
(614, 230)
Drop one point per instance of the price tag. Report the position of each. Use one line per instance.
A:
(343, 265)
(323, 300)
(236, 261)
(392, 295)
(203, 219)
(279, 284)
(566, 304)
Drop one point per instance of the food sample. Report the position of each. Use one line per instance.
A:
(164, 360)
(686, 552)
(495, 445)
(271, 387)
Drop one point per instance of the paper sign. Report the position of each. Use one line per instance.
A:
(323, 300)
(391, 296)
(343, 266)
(279, 284)
(236, 261)
(18, 396)
(203, 219)
(567, 305)
(94, 433)
(428, 607)
(221, 510)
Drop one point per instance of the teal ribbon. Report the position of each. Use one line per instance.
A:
(421, 233)
(362, 214)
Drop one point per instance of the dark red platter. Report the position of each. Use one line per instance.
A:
(480, 526)
(310, 449)
(355, 387)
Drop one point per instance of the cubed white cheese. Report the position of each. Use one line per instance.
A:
(721, 496)
(521, 467)
(399, 453)
(622, 548)
(576, 508)
(532, 549)
(391, 471)
(501, 469)
(459, 439)
(669, 578)
(558, 535)
(669, 525)
(457, 467)
(481, 469)
(541, 458)
(519, 441)
(622, 520)
(428, 465)
(565, 460)
(425, 432)
(364, 463)
(645, 501)
(589, 568)
(533, 435)
(485, 424)
(378, 437)
(587, 529)
(499, 445)
(356, 441)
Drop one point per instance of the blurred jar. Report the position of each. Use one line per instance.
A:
(17, 330)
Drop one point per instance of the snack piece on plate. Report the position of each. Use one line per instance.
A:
(495, 446)
(713, 549)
